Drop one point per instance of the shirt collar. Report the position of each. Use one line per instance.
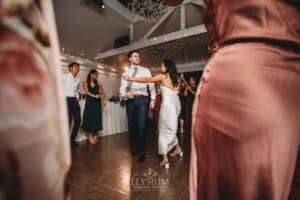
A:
(71, 75)
(133, 66)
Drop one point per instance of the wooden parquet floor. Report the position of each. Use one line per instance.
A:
(107, 171)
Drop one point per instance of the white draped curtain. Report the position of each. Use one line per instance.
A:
(114, 115)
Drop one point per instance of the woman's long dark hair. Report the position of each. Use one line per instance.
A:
(88, 78)
(171, 69)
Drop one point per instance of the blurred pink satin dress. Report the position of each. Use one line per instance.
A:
(34, 139)
(246, 121)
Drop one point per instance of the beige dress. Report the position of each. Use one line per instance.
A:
(245, 132)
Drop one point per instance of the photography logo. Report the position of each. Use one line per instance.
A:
(149, 180)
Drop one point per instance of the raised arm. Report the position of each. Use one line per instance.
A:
(185, 93)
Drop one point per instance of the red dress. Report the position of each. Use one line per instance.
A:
(245, 132)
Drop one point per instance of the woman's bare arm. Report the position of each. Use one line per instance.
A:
(103, 96)
(156, 78)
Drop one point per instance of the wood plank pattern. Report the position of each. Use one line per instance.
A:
(105, 170)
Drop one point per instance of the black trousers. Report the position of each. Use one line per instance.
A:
(74, 113)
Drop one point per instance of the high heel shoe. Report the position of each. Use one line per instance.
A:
(165, 164)
(175, 153)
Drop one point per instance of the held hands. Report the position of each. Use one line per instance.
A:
(188, 87)
(181, 77)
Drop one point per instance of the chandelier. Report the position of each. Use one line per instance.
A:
(151, 10)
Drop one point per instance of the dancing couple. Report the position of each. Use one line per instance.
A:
(170, 107)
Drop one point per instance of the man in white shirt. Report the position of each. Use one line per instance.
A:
(137, 104)
(71, 90)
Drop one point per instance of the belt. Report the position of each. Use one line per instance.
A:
(138, 96)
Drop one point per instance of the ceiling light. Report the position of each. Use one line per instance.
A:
(93, 3)
(151, 10)
(99, 3)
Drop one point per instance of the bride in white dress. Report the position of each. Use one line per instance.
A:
(169, 110)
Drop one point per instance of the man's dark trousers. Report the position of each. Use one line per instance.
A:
(74, 112)
(137, 110)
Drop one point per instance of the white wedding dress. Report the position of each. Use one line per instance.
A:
(168, 119)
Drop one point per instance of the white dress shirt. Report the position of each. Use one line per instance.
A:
(138, 88)
(71, 85)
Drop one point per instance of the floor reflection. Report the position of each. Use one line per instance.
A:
(107, 171)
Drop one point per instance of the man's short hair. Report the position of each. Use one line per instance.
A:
(72, 64)
(132, 52)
